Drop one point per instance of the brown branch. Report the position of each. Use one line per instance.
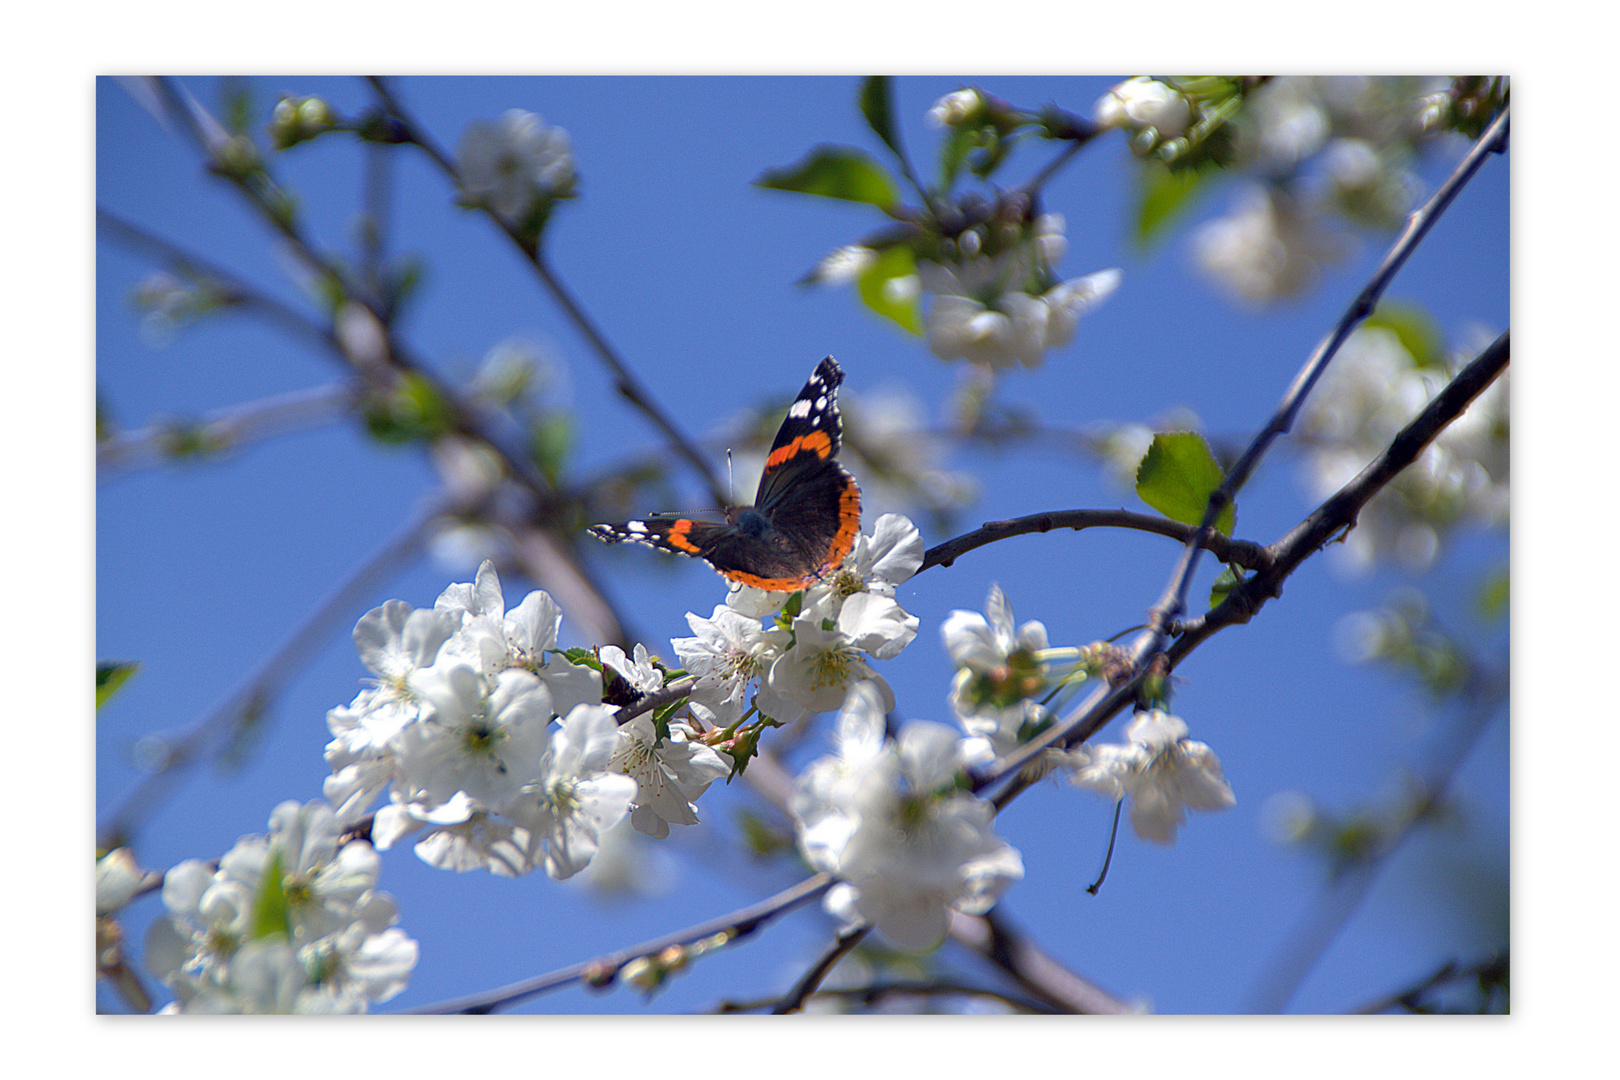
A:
(1248, 555)
(1103, 704)
(872, 993)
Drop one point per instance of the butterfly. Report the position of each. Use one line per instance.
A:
(806, 513)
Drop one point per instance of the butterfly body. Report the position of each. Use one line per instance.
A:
(805, 516)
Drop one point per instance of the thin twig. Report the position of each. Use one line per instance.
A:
(1339, 512)
(842, 943)
(224, 430)
(548, 556)
(872, 993)
(237, 290)
(1491, 971)
(603, 970)
(657, 699)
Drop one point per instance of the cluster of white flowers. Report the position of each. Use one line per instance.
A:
(808, 663)
(1327, 147)
(1375, 387)
(1003, 678)
(288, 922)
(515, 166)
(1007, 308)
(1268, 247)
(888, 818)
(457, 730)
(999, 674)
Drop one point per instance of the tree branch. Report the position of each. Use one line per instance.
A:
(1248, 555)
(604, 970)
(873, 993)
(1086, 718)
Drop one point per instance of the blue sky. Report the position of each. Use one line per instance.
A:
(203, 570)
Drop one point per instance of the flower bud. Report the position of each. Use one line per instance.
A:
(1145, 103)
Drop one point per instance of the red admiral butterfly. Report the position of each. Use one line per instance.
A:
(805, 516)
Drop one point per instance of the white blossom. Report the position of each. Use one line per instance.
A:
(119, 879)
(730, 650)
(1268, 248)
(817, 672)
(670, 774)
(1144, 102)
(1161, 771)
(981, 312)
(576, 797)
(887, 818)
(478, 739)
(955, 108)
(513, 165)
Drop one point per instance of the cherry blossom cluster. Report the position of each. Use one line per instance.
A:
(287, 922)
(496, 749)
(889, 818)
(493, 745)
(1006, 676)
(996, 299)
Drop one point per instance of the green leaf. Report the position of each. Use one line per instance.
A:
(877, 106)
(836, 172)
(1229, 579)
(110, 675)
(270, 905)
(1177, 476)
(901, 304)
(1412, 326)
(1164, 194)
